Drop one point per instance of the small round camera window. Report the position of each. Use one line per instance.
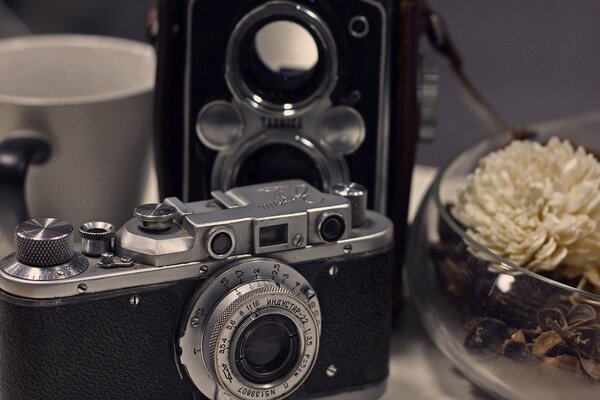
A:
(332, 227)
(220, 242)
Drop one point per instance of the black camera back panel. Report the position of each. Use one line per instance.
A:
(359, 74)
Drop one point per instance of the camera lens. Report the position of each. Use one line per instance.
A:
(281, 62)
(263, 332)
(268, 349)
(276, 162)
(332, 228)
(281, 57)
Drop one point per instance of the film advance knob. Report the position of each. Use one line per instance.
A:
(155, 216)
(44, 242)
(357, 195)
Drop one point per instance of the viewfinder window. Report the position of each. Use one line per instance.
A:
(273, 235)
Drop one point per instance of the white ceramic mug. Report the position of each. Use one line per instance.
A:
(88, 100)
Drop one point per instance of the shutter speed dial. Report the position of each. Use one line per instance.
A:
(44, 251)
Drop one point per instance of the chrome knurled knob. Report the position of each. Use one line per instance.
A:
(357, 195)
(44, 242)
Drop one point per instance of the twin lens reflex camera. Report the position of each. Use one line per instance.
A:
(267, 291)
(254, 91)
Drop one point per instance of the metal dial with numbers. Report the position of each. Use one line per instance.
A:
(44, 252)
(73, 267)
(229, 306)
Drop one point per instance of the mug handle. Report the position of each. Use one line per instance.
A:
(16, 154)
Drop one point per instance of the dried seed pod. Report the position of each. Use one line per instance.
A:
(518, 336)
(562, 349)
(596, 348)
(580, 314)
(584, 340)
(526, 297)
(545, 342)
(591, 367)
(532, 334)
(562, 368)
(516, 351)
(487, 334)
(551, 319)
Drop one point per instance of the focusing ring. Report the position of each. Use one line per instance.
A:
(265, 299)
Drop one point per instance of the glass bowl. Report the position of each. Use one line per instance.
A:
(514, 333)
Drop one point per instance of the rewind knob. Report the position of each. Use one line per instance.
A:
(44, 242)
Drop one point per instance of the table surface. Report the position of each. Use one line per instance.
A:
(418, 370)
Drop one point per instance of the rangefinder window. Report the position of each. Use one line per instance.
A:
(273, 235)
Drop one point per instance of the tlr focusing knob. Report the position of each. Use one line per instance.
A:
(155, 216)
(357, 195)
(44, 242)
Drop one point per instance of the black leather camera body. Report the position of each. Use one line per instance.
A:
(102, 347)
(251, 91)
(273, 291)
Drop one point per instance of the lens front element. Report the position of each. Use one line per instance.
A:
(242, 368)
(267, 349)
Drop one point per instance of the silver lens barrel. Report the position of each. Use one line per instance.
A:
(252, 331)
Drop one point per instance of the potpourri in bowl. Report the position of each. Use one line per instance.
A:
(504, 262)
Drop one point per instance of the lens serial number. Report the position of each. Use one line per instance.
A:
(264, 394)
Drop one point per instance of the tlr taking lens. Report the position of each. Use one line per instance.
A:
(275, 162)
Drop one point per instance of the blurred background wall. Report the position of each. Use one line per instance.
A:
(534, 59)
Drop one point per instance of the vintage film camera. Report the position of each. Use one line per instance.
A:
(267, 291)
(251, 91)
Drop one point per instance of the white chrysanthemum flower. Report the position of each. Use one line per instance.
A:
(538, 206)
